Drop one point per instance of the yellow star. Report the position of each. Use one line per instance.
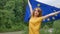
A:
(53, 18)
(48, 19)
(38, 5)
(54, 10)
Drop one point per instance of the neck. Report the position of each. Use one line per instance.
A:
(35, 16)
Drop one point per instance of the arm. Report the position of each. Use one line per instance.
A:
(46, 16)
(31, 11)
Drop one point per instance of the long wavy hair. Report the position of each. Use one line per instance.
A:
(39, 11)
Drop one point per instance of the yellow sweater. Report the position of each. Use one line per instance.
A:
(34, 25)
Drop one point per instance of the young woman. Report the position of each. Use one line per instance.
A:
(36, 19)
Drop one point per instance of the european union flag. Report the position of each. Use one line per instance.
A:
(46, 9)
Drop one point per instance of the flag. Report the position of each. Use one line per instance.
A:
(46, 9)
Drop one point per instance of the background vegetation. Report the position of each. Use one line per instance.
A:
(12, 18)
(12, 15)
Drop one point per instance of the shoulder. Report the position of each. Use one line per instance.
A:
(41, 18)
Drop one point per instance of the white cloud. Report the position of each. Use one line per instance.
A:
(55, 3)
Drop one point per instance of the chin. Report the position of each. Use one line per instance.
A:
(36, 15)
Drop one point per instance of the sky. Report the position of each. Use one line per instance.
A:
(55, 3)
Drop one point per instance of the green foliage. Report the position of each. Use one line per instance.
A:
(44, 30)
(56, 24)
(56, 27)
(10, 5)
(11, 15)
(26, 31)
(2, 3)
(6, 19)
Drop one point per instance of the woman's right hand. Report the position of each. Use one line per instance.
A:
(28, 0)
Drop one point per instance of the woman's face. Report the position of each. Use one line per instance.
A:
(36, 13)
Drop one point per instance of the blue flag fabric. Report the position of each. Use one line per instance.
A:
(46, 9)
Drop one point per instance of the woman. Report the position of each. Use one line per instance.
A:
(36, 19)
